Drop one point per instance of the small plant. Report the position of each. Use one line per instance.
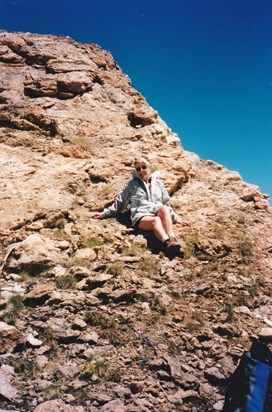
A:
(52, 392)
(16, 306)
(31, 278)
(16, 301)
(228, 309)
(102, 369)
(195, 321)
(78, 261)
(190, 237)
(60, 234)
(105, 192)
(149, 266)
(27, 368)
(27, 142)
(110, 329)
(252, 290)
(115, 269)
(241, 220)
(48, 336)
(175, 294)
(242, 301)
(91, 242)
(246, 250)
(83, 143)
(156, 304)
(190, 276)
(218, 232)
(65, 281)
(98, 319)
(114, 375)
(80, 395)
(134, 249)
(153, 319)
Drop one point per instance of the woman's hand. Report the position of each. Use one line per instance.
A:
(96, 215)
(184, 223)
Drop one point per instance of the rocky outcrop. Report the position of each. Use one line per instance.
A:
(93, 316)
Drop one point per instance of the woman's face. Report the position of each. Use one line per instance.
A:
(143, 170)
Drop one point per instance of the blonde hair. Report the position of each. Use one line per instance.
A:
(142, 160)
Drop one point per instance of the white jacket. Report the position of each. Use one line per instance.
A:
(143, 200)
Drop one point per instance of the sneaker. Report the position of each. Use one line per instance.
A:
(172, 246)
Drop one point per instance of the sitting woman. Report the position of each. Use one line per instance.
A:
(149, 205)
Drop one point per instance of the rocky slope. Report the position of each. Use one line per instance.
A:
(93, 317)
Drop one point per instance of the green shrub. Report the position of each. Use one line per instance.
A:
(25, 367)
(78, 261)
(91, 242)
(149, 266)
(110, 329)
(65, 281)
(228, 309)
(15, 306)
(218, 232)
(115, 269)
(246, 250)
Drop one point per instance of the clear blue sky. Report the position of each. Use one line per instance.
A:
(205, 65)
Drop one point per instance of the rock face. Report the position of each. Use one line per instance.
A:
(93, 316)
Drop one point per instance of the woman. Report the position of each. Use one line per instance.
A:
(149, 205)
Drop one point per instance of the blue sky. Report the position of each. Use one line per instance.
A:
(205, 65)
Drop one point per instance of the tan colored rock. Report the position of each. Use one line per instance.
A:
(57, 405)
(89, 337)
(85, 253)
(32, 254)
(39, 295)
(7, 390)
(114, 406)
(10, 337)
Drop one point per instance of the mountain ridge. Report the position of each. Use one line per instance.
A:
(81, 299)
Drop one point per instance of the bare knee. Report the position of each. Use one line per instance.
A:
(156, 222)
(163, 211)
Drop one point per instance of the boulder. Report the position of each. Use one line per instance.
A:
(7, 390)
(10, 337)
(57, 405)
(33, 255)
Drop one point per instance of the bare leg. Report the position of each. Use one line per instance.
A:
(153, 223)
(166, 219)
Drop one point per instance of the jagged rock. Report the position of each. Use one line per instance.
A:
(7, 391)
(93, 281)
(123, 295)
(79, 324)
(218, 406)
(182, 394)
(10, 337)
(101, 398)
(86, 253)
(89, 337)
(185, 379)
(114, 406)
(33, 341)
(63, 330)
(221, 371)
(42, 361)
(57, 405)
(32, 255)
(39, 295)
